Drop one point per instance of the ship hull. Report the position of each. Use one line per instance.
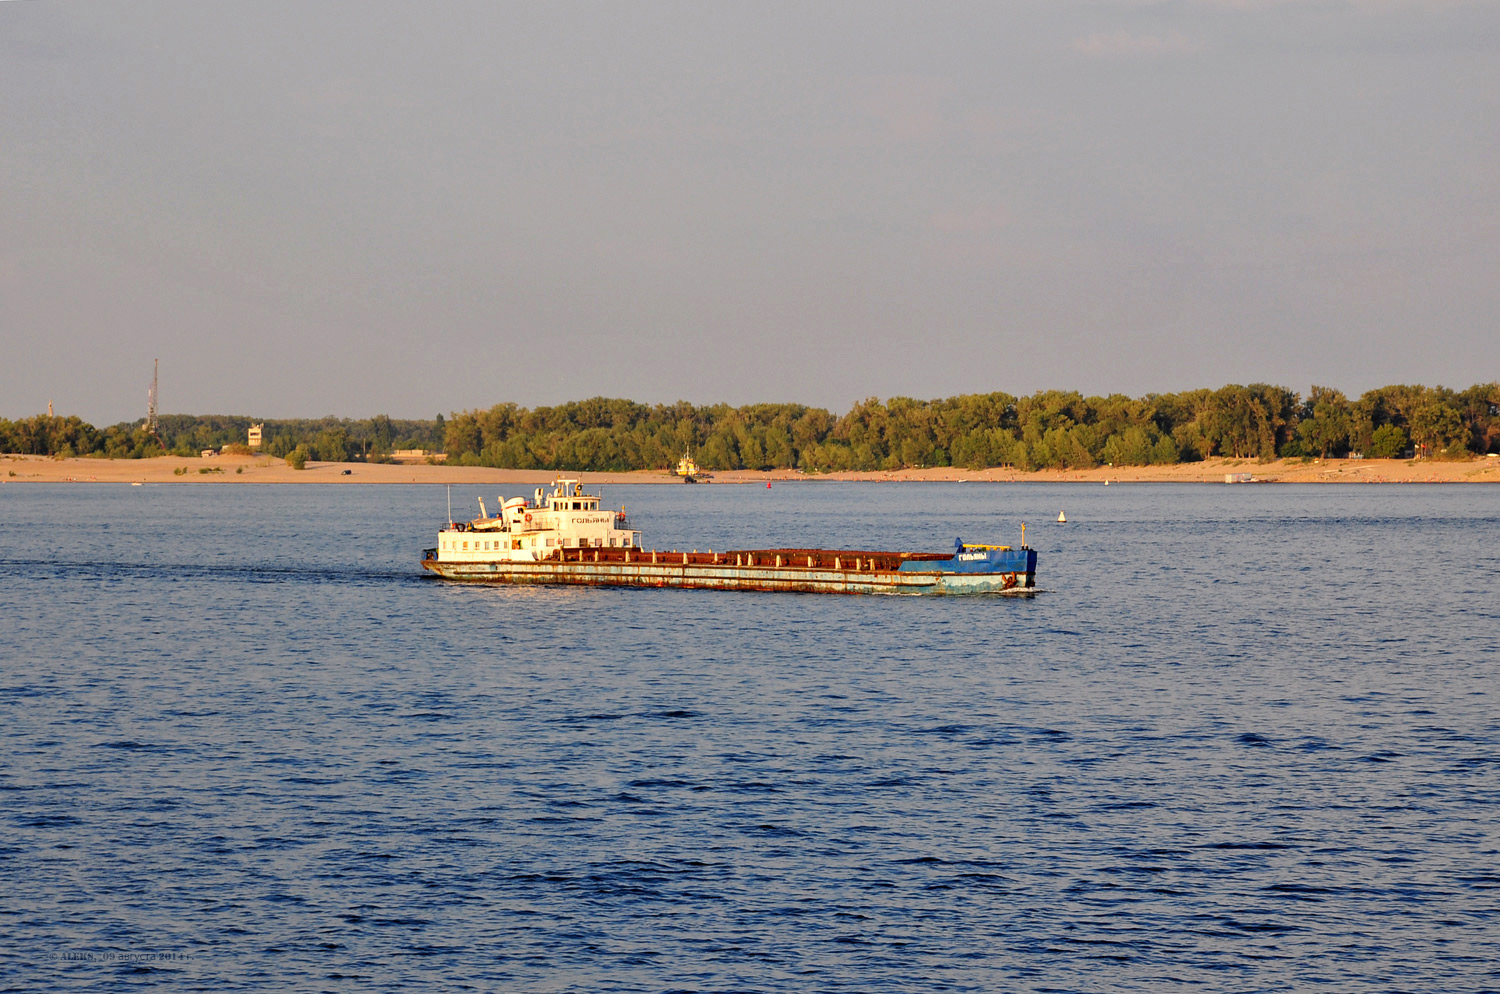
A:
(729, 576)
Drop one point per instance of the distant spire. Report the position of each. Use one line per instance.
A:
(49, 408)
(151, 398)
(151, 405)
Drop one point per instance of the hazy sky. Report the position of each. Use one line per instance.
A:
(321, 206)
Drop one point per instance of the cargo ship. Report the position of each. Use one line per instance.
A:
(565, 537)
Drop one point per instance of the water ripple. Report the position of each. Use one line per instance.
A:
(249, 745)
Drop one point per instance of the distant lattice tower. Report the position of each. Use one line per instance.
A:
(151, 404)
(255, 435)
(151, 397)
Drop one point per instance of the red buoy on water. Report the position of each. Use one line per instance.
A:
(768, 484)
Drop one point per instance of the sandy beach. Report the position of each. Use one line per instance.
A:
(264, 469)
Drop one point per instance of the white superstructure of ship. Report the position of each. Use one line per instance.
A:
(541, 528)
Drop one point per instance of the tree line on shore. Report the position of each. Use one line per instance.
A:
(1049, 429)
(326, 439)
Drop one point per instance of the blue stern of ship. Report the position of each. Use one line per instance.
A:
(979, 559)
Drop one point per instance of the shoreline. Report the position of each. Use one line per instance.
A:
(265, 469)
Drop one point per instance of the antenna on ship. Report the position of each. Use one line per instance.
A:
(450, 505)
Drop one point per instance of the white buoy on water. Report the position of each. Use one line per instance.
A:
(1062, 518)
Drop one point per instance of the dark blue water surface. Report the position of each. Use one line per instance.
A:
(1246, 739)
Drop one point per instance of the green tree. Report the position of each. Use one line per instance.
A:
(463, 436)
(1436, 428)
(1387, 442)
(382, 433)
(1480, 408)
(331, 445)
(1326, 423)
(1165, 452)
(1130, 447)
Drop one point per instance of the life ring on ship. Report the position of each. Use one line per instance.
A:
(528, 517)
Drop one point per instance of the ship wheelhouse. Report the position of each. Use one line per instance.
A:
(537, 529)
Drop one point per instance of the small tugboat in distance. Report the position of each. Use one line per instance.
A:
(564, 537)
(689, 471)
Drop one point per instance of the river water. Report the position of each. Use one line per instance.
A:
(1245, 739)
